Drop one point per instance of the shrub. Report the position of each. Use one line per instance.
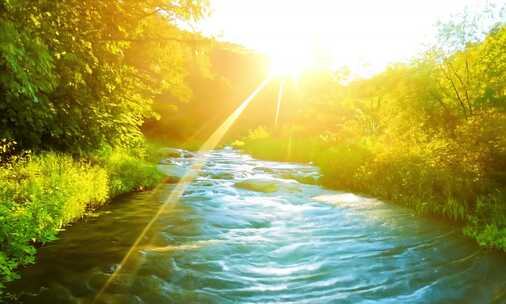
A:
(40, 195)
(127, 172)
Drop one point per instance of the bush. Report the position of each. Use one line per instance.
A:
(40, 195)
(128, 172)
(341, 164)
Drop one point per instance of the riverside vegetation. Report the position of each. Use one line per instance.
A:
(77, 81)
(41, 194)
(430, 134)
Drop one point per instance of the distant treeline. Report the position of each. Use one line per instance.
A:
(233, 73)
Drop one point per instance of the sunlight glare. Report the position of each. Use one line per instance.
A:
(363, 35)
(180, 188)
(289, 62)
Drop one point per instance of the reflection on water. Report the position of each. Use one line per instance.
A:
(229, 240)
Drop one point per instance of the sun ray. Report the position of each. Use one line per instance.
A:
(179, 189)
(278, 106)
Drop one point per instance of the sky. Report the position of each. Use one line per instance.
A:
(364, 35)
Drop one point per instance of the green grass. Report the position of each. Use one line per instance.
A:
(39, 195)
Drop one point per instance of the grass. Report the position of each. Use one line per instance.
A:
(41, 194)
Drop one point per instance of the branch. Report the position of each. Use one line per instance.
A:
(456, 91)
(464, 85)
(193, 42)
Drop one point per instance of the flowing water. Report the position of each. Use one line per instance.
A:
(250, 231)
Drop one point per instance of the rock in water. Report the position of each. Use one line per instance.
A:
(175, 173)
(222, 175)
(258, 184)
(172, 152)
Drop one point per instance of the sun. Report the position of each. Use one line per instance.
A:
(290, 61)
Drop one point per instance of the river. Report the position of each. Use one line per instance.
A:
(251, 231)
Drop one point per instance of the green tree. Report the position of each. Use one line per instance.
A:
(77, 74)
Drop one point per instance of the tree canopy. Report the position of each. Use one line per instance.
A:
(76, 74)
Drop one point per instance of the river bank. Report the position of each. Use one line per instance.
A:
(408, 175)
(41, 194)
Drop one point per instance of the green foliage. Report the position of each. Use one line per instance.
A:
(78, 74)
(40, 195)
(488, 224)
(128, 172)
(286, 149)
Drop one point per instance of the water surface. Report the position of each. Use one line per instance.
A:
(250, 231)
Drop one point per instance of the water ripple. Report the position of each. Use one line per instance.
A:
(236, 243)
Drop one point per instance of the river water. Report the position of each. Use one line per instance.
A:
(250, 231)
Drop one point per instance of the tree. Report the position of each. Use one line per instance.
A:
(77, 74)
